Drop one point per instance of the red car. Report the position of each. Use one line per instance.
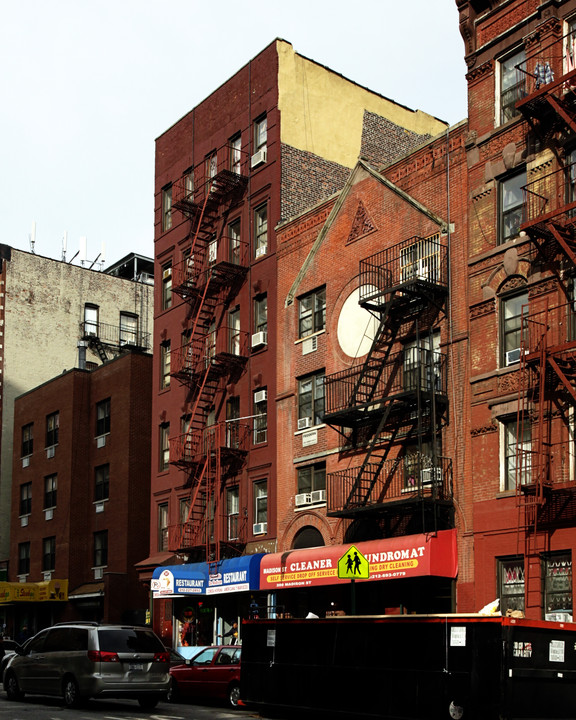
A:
(214, 673)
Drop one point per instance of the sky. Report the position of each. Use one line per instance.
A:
(87, 86)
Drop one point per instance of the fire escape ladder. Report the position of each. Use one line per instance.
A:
(566, 373)
(559, 107)
(95, 343)
(564, 240)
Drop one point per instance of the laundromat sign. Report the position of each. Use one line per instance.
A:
(393, 558)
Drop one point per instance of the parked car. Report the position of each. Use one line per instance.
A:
(214, 673)
(9, 650)
(80, 660)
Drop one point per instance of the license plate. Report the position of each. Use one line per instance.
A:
(135, 666)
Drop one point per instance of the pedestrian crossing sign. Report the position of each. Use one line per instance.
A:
(353, 565)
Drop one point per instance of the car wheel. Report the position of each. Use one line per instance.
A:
(234, 695)
(148, 703)
(71, 692)
(13, 691)
(173, 691)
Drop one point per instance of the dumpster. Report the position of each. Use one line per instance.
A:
(412, 666)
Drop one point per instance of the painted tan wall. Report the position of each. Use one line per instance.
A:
(322, 112)
(44, 306)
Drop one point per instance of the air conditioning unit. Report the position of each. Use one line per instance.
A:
(259, 339)
(513, 356)
(98, 573)
(101, 441)
(302, 499)
(24, 521)
(48, 514)
(258, 158)
(304, 423)
(25, 462)
(99, 507)
(167, 272)
(261, 250)
(259, 528)
(310, 345)
(47, 576)
(317, 496)
(50, 451)
(431, 475)
(260, 396)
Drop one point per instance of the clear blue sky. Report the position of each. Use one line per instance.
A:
(87, 86)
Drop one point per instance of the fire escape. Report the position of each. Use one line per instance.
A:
(109, 341)
(547, 378)
(391, 406)
(214, 353)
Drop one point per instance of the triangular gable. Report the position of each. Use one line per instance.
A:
(362, 225)
(361, 167)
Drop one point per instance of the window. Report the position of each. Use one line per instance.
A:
(184, 510)
(234, 242)
(26, 498)
(311, 478)
(166, 208)
(128, 329)
(512, 85)
(261, 502)
(165, 356)
(261, 314)
(189, 185)
(233, 429)
(261, 230)
(101, 548)
(311, 398)
(52, 426)
(512, 308)
(234, 332)
(50, 490)
(517, 455)
(232, 513)
(91, 320)
(312, 312)
(27, 439)
(260, 133)
(101, 482)
(166, 286)
(162, 527)
(48, 554)
(511, 584)
(260, 411)
(103, 417)
(23, 558)
(557, 573)
(164, 446)
(422, 365)
(211, 165)
(511, 201)
(236, 154)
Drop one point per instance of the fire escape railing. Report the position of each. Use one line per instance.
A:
(194, 447)
(114, 335)
(550, 197)
(406, 478)
(213, 351)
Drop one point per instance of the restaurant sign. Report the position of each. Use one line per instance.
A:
(47, 590)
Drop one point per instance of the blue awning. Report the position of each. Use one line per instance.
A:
(239, 574)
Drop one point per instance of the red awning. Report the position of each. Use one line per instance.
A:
(393, 558)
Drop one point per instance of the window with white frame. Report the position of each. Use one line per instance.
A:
(312, 312)
(311, 398)
(260, 132)
(234, 242)
(162, 527)
(511, 583)
(312, 478)
(234, 336)
(211, 165)
(510, 205)
(557, 573)
(128, 329)
(164, 446)
(189, 185)
(233, 512)
(261, 230)
(165, 363)
(512, 309)
(236, 154)
(166, 208)
(260, 412)
(166, 286)
(261, 502)
(261, 313)
(517, 452)
(91, 320)
(512, 85)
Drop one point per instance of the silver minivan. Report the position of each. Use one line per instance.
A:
(81, 660)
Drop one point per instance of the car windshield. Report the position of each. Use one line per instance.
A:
(205, 657)
(121, 640)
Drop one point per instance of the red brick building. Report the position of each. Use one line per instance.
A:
(81, 496)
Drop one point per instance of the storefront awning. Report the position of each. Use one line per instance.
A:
(392, 558)
(175, 580)
(235, 575)
(53, 590)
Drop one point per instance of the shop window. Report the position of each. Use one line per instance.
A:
(511, 584)
(557, 572)
(312, 312)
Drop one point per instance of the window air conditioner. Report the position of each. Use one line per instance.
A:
(50, 451)
(304, 423)
(101, 441)
(260, 396)
(99, 507)
(431, 475)
(317, 496)
(261, 251)
(47, 575)
(258, 158)
(24, 521)
(48, 514)
(302, 499)
(98, 573)
(512, 356)
(25, 462)
(166, 273)
(259, 339)
(310, 345)
(259, 528)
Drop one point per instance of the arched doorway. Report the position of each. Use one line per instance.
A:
(308, 537)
